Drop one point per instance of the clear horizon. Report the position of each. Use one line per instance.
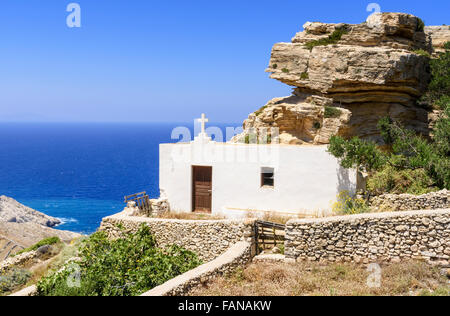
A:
(157, 62)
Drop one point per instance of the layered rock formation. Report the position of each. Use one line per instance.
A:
(347, 77)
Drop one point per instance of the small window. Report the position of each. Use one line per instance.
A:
(267, 177)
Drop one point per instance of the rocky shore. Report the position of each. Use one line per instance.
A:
(22, 227)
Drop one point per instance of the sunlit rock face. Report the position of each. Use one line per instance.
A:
(439, 36)
(346, 77)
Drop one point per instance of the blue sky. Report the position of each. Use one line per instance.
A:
(160, 61)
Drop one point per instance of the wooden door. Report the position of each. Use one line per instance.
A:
(202, 189)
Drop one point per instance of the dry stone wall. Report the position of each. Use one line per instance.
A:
(237, 256)
(364, 238)
(18, 261)
(207, 238)
(405, 202)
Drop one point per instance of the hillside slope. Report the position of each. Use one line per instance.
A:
(22, 227)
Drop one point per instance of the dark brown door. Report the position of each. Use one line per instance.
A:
(202, 189)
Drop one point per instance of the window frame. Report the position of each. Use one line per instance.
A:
(265, 171)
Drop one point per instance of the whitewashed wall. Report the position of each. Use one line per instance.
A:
(307, 178)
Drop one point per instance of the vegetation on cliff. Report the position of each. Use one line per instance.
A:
(13, 279)
(410, 163)
(333, 38)
(124, 267)
(44, 242)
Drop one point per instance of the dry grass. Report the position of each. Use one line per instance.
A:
(274, 217)
(309, 279)
(190, 216)
(55, 263)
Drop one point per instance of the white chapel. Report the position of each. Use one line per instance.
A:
(233, 179)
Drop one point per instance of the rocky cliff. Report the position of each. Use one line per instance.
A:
(21, 227)
(346, 77)
(12, 211)
(439, 36)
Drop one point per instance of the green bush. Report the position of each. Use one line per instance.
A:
(422, 52)
(304, 76)
(124, 267)
(400, 181)
(439, 87)
(12, 279)
(441, 133)
(285, 70)
(44, 242)
(410, 157)
(332, 39)
(332, 112)
(420, 26)
(347, 205)
(357, 153)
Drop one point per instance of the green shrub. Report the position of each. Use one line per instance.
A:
(332, 39)
(332, 112)
(441, 133)
(12, 279)
(420, 26)
(443, 102)
(304, 76)
(317, 125)
(44, 242)
(285, 70)
(347, 205)
(124, 267)
(390, 180)
(439, 86)
(357, 153)
(411, 157)
(422, 52)
(274, 66)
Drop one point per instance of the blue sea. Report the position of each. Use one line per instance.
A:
(81, 172)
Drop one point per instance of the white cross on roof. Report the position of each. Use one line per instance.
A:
(203, 120)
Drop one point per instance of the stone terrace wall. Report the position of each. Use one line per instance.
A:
(365, 238)
(207, 238)
(405, 202)
(18, 261)
(235, 257)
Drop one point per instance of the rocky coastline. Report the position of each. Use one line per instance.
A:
(22, 227)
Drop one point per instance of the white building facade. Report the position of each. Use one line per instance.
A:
(237, 179)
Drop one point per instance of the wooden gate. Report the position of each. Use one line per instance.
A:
(268, 235)
(201, 189)
(142, 202)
